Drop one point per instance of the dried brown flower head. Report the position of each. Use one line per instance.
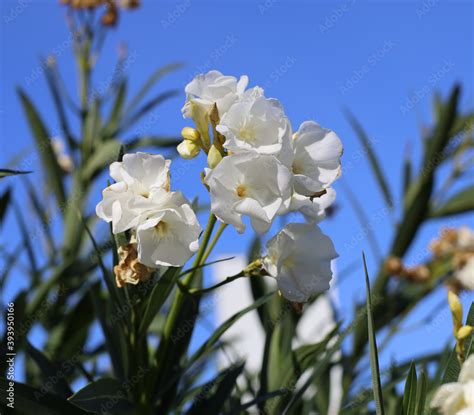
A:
(129, 270)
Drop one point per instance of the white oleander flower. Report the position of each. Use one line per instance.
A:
(137, 177)
(313, 209)
(317, 158)
(457, 398)
(211, 88)
(249, 184)
(255, 123)
(299, 257)
(465, 275)
(167, 234)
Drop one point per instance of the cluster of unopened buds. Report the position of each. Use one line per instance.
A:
(110, 16)
(418, 273)
(257, 168)
(454, 248)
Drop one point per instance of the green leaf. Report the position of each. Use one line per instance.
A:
(43, 216)
(114, 336)
(101, 158)
(208, 345)
(29, 400)
(409, 395)
(103, 393)
(8, 172)
(115, 293)
(157, 298)
(52, 78)
(377, 170)
(441, 135)
(451, 373)
(92, 125)
(49, 371)
(421, 394)
(45, 149)
(26, 237)
(374, 360)
(151, 81)
(116, 112)
(461, 202)
(145, 109)
(69, 337)
(211, 403)
(4, 202)
(469, 343)
(317, 356)
(407, 174)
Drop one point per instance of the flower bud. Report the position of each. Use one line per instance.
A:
(200, 115)
(191, 134)
(464, 332)
(456, 309)
(188, 150)
(214, 157)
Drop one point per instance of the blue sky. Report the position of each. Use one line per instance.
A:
(381, 59)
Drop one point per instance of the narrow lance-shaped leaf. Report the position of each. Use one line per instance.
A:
(211, 400)
(29, 400)
(374, 360)
(4, 202)
(157, 298)
(8, 172)
(117, 109)
(461, 202)
(145, 109)
(421, 394)
(53, 83)
(409, 395)
(208, 345)
(103, 393)
(48, 370)
(151, 81)
(374, 163)
(45, 149)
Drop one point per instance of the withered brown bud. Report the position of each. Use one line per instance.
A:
(129, 270)
(110, 17)
(393, 265)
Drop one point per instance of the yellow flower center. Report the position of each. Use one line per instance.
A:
(162, 228)
(241, 190)
(247, 134)
(297, 169)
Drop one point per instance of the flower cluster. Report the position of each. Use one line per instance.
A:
(457, 246)
(457, 398)
(162, 222)
(260, 169)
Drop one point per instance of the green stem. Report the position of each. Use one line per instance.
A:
(173, 319)
(218, 234)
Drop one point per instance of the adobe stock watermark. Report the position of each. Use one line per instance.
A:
(335, 15)
(16, 11)
(371, 62)
(10, 355)
(265, 5)
(425, 8)
(214, 56)
(174, 15)
(280, 71)
(433, 79)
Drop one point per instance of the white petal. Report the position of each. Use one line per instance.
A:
(467, 370)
